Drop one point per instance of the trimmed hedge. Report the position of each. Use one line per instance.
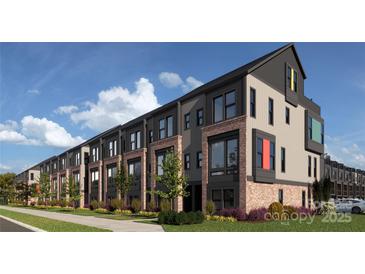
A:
(180, 218)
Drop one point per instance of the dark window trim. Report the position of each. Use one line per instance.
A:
(197, 117)
(287, 115)
(187, 121)
(252, 102)
(187, 161)
(197, 159)
(271, 112)
(225, 106)
(283, 160)
(309, 166)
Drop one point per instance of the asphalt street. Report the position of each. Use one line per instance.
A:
(6, 226)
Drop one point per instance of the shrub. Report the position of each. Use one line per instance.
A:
(40, 202)
(180, 218)
(83, 209)
(151, 206)
(123, 212)
(210, 207)
(305, 211)
(165, 205)
(327, 208)
(41, 207)
(289, 212)
(101, 204)
(275, 210)
(115, 204)
(93, 205)
(63, 203)
(53, 203)
(101, 210)
(236, 213)
(258, 214)
(68, 208)
(32, 203)
(136, 205)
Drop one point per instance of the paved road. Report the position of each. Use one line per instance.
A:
(113, 225)
(7, 226)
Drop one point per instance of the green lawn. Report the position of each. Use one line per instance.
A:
(357, 224)
(49, 224)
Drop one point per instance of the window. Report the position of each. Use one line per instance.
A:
(134, 169)
(217, 160)
(95, 154)
(303, 198)
(224, 156)
(259, 157)
(110, 148)
(138, 137)
(281, 196)
(292, 78)
(199, 159)
(309, 166)
(217, 198)
(253, 102)
(283, 159)
(95, 176)
(54, 166)
(160, 158)
(150, 136)
(170, 126)
(187, 120)
(199, 117)
(232, 153)
(115, 147)
(133, 141)
(187, 161)
(287, 115)
(32, 176)
(162, 128)
(322, 134)
(63, 163)
(271, 111)
(272, 156)
(228, 198)
(230, 104)
(78, 158)
(315, 168)
(218, 109)
(310, 128)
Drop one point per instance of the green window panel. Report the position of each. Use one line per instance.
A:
(316, 131)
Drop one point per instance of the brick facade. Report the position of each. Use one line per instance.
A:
(239, 124)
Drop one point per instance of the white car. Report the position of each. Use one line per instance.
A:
(350, 205)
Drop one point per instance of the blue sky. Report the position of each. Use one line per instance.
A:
(56, 94)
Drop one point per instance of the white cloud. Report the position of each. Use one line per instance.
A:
(173, 80)
(33, 91)
(8, 125)
(66, 109)
(190, 84)
(170, 79)
(36, 131)
(117, 105)
(4, 167)
(346, 151)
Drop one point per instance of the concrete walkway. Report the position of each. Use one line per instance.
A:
(113, 225)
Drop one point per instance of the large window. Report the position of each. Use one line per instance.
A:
(199, 159)
(111, 149)
(187, 121)
(253, 102)
(224, 157)
(187, 161)
(224, 106)
(160, 159)
(162, 128)
(283, 159)
(95, 154)
(271, 112)
(134, 169)
(223, 198)
(265, 154)
(135, 140)
(170, 126)
(230, 104)
(199, 117)
(315, 130)
(218, 109)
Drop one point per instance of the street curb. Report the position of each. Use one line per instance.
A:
(32, 228)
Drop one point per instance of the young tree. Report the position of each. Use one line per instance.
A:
(123, 182)
(172, 179)
(317, 192)
(7, 185)
(326, 189)
(24, 191)
(72, 189)
(44, 187)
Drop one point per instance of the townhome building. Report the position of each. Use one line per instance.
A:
(346, 182)
(246, 139)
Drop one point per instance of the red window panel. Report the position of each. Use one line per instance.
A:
(266, 154)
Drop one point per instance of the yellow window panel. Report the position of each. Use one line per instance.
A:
(292, 80)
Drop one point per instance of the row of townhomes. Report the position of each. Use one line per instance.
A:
(246, 139)
(346, 182)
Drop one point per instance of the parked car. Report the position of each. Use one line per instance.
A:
(350, 205)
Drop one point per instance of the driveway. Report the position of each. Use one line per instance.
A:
(113, 225)
(7, 226)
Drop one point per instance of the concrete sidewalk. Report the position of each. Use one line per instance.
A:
(113, 225)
